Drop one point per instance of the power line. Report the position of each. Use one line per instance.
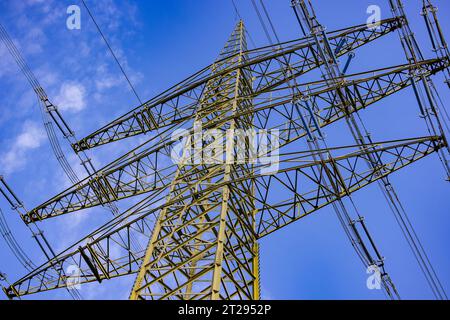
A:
(262, 22)
(342, 213)
(50, 112)
(236, 10)
(14, 245)
(37, 235)
(112, 52)
(238, 14)
(270, 20)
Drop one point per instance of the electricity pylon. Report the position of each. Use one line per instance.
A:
(201, 220)
(207, 248)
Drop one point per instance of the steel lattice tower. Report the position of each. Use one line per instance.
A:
(205, 246)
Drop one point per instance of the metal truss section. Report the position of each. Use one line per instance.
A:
(152, 170)
(106, 253)
(268, 66)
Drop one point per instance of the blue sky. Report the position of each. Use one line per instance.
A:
(162, 42)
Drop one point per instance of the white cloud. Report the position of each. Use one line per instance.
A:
(30, 138)
(33, 2)
(6, 62)
(108, 82)
(47, 77)
(42, 5)
(71, 97)
(105, 80)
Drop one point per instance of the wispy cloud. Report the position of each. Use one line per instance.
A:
(30, 138)
(71, 97)
(81, 78)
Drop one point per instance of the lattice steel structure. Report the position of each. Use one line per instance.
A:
(195, 233)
